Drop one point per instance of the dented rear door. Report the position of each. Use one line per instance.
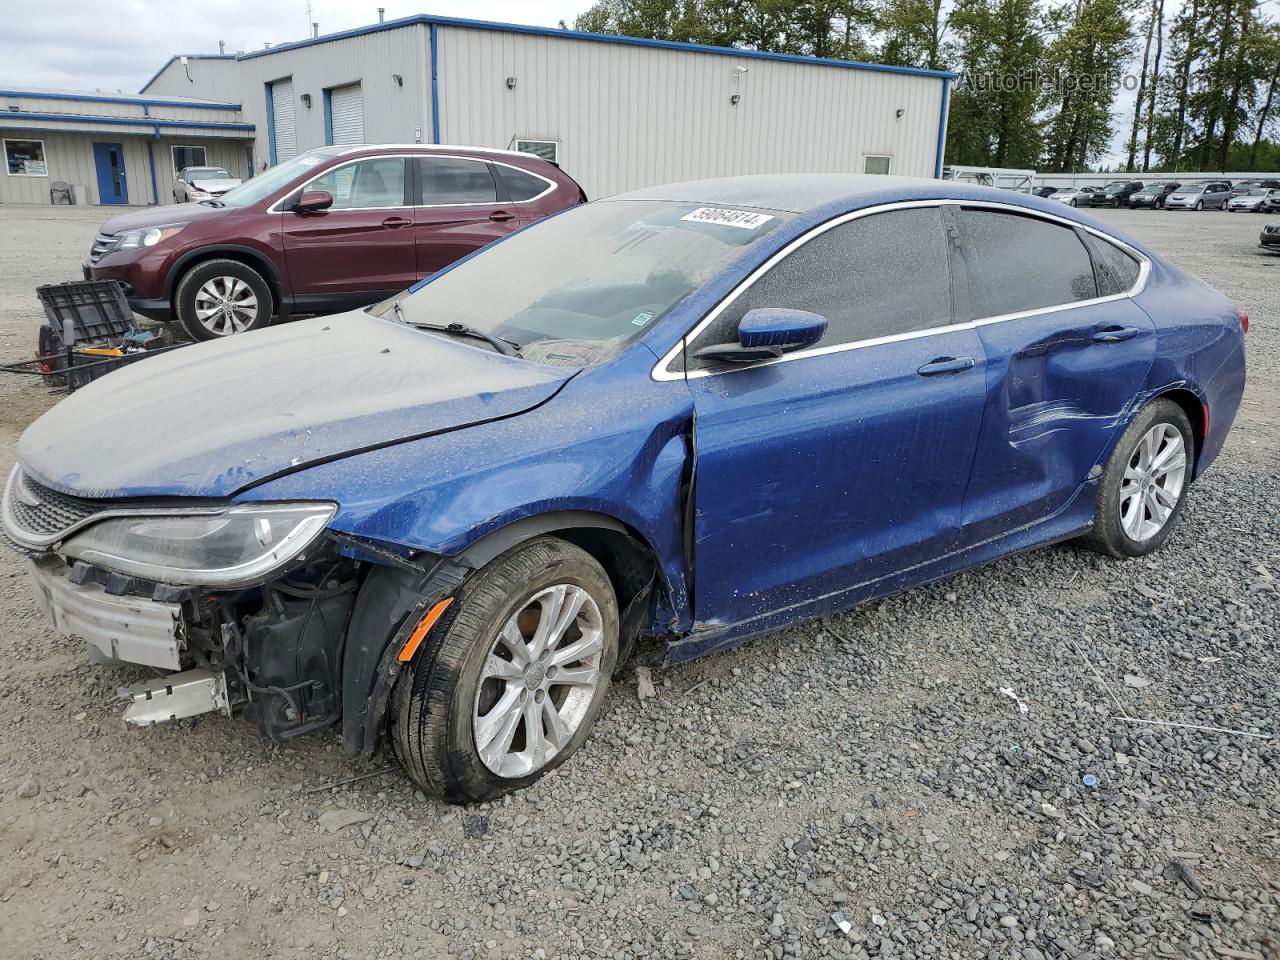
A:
(1061, 377)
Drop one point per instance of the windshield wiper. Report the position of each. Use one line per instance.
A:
(504, 347)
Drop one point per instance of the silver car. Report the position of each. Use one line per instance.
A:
(202, 183)
(1075, 196)
(1197, 196)
(1248, 200)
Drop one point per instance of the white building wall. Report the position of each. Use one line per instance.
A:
(632, 116)
(393, 112)
(211, 78)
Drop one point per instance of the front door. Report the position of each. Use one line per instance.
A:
(459, 210)
(1063, 362)
(108, 159)
(362, 245)
(820, 475)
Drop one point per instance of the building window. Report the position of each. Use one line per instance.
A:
(546, 149)
(872, 163)
(25, 158)
(184, 157)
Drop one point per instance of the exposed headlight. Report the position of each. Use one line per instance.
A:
(234, 547)
(147, 236)
(198, 194)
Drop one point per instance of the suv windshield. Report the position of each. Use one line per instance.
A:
(579, 285)
(269, 181)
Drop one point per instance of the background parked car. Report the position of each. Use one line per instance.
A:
(1074, 196)
(1198, 196)
(333, 229)
(1248, 200)
(1270, 236)
(1115, 194)
(1044, 191)
(1245, 185)
(1271, 202)
(202, 183)
(1152, 195)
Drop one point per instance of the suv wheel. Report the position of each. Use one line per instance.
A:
(219, 298)
(508, 683)
(1199, 204)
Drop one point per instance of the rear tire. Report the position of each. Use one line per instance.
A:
(482, 663)
(1144, 484)
(219, 298)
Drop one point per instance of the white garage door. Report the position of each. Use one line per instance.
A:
(346, 114)
(283, 131)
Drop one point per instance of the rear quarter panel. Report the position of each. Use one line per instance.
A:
(1200, 348)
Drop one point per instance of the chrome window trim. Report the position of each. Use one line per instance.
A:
(662, 374)
(551, 184)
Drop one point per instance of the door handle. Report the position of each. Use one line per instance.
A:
(501, 216)
(395, 222)
(943, 365)
(1115, 334)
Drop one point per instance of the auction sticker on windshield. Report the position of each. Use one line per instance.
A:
(728, 218)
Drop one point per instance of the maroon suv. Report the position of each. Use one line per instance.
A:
(333, 229)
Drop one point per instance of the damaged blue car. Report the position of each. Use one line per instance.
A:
(682, 417)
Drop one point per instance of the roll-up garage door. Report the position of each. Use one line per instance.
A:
(283, 132)
(346, 114)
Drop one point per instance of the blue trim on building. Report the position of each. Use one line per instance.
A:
(596, 37)
(435, 88)
(942, 126)
(103, 98)
(271, 125)
(190, 56)
(128, 121)
(328, 116)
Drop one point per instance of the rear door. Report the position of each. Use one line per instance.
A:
(1066, 356)
(845, 463)
(364, 242)
(458, 209)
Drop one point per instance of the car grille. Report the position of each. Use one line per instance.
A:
(41, 512)
(101, 244)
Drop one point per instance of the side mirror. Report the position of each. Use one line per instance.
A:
(313, 201)
(766, 333)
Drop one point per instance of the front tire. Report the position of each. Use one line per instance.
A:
(509, 683)
(219, 298)
(1199, 204)
(1144, 484)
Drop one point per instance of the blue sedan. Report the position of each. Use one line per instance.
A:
(682, 417)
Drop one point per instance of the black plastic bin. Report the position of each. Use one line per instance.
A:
(97, 309)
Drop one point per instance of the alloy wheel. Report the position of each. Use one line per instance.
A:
(1153, 482)
(226, 305)
(538, 681)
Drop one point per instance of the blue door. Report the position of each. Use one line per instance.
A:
(822, 474)
(108, 158)
(1066, 355)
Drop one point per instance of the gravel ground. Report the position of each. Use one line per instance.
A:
(862, 786)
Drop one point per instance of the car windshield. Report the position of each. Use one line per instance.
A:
(1193, 188)
(208, 173)
(576, 287)
(1253, 192)
(271, 180)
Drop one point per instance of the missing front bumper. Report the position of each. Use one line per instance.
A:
(130, 629)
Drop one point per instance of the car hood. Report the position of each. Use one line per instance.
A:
(164, 215)
(209, 419)
(219, 184)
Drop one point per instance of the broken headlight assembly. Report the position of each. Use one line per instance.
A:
(233, 547)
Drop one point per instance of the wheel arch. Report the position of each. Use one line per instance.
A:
(393, 600)
(1197, 412)
(249, 256)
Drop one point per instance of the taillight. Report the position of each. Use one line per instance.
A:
(1244, 320)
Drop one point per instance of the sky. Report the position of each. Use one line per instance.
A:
(118, 45)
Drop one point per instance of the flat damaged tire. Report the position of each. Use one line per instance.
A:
(1144, 485)
(507, 685)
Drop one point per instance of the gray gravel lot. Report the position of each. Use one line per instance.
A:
(866, 766)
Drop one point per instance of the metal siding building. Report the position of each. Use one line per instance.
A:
(622, 113)
(112, 148)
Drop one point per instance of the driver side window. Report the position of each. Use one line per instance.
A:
(876, 276)
(370, 184)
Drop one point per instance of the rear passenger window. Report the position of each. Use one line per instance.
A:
(875, 276)
(1016, 263)
(1117, 270)
(521, 185)
(453, 180)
